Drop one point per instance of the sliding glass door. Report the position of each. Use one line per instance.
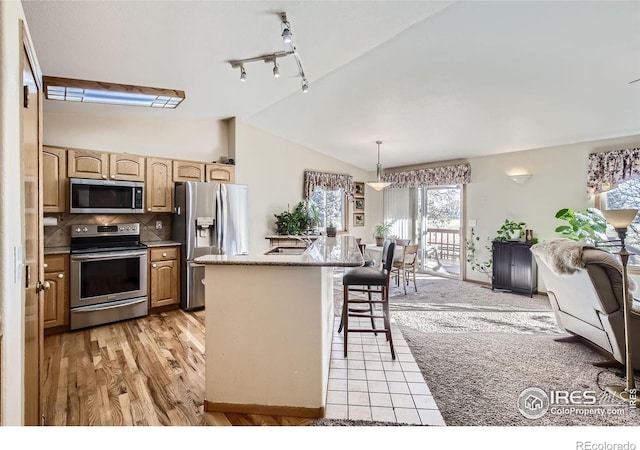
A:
(431, 217)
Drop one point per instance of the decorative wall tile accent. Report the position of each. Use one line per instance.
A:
(60, 235)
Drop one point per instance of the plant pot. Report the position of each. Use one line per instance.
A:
(379, 241)
(515, 235)
(331, 231)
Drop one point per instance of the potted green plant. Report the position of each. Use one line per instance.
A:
(331, 229)
(294, 222)
(588, 225)
(381, 232)
(510, 231)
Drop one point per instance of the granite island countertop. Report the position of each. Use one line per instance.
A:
(340, 251)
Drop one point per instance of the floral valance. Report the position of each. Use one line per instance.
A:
(432, 176)
(607, 169)
(327, 181)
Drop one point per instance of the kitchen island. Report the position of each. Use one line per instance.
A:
(268, 325)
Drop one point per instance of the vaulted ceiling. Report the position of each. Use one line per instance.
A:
(432, 80)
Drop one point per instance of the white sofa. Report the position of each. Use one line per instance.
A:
(586, 295)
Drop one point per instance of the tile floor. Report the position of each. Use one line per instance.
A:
(369, 385)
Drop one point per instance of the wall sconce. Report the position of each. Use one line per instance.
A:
(520, 178)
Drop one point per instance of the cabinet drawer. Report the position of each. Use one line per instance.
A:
(164, 253)
(54, 263)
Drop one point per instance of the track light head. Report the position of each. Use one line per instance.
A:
(305, 85)
(276, 69)
(243, 74)
(286, 35)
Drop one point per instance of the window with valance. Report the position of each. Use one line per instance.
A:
(433, 176)
(608, 169)
(327, 181)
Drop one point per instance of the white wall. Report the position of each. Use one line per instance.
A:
(11, 293)
(559, 181)
(152, 135)
(273, 169)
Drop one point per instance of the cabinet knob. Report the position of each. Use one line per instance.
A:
(149, 209)
(113, 177)
(164, 254)
(154, 265)
(46, 265)
(60, 275)
(104, 177)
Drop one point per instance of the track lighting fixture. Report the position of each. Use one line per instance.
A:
(287, 38)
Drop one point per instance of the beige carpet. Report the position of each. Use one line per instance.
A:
(478, 349)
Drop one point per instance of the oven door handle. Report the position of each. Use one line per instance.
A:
(101, 307)
(108, 255)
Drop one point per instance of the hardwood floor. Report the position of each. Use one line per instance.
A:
(147, 371)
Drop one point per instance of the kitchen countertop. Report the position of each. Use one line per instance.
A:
(340, 251)
(152, 244)
(56, 250)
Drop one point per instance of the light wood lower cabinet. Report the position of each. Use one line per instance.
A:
(56, 298)
(164, 277)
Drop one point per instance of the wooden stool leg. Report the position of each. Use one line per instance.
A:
(373, 323)
(387, 324)
(345, 316)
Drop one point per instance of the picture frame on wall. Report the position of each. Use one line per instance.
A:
(358, 219)
(358, 204)
(358, 188)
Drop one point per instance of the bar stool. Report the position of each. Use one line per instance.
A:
(369, 308)
(376, 282)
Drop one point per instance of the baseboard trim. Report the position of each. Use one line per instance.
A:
(238, 408)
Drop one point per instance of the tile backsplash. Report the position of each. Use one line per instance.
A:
(60, 235)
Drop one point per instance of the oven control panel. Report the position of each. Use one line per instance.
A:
(120, 229)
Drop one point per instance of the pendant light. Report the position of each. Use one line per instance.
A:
(378, 185)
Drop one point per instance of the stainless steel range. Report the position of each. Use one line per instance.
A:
(108, 276)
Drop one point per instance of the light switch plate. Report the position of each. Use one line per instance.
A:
(472, 222)
(158, 224)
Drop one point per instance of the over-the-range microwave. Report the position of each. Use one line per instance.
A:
(105, 197)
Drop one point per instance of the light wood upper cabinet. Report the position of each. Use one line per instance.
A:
(104, 166)
(87, 164)
(188, 171)
(54, 180)
(56, 298)
(159, 185)
(126, 167)
(221, 173)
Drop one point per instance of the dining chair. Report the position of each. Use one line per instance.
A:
(405, 265)
(376, 281)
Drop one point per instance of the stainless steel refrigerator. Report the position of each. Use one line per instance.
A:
(209, 219)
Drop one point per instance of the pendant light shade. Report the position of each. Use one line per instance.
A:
(378, 185)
